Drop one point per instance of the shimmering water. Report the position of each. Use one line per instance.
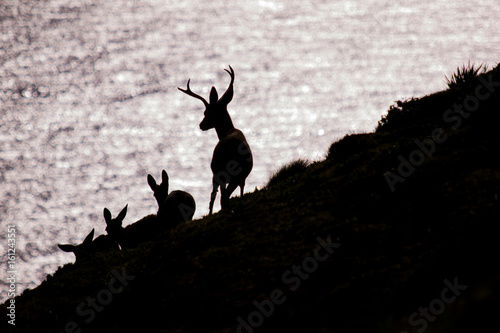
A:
(89, 101)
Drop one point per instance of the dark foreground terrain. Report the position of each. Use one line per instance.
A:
(395, 230)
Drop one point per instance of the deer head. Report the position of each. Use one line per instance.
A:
(114, 226)
(160, 191)
(216, 110)
(81, 250)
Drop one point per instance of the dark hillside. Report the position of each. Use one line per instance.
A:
(394, 231)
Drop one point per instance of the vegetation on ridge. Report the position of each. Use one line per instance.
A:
(396, 245)
(465, 75)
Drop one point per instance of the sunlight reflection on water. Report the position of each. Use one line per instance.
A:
(90, 103)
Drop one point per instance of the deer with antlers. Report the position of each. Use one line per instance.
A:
(232, 159)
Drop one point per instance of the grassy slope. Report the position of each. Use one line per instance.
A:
(396, 247)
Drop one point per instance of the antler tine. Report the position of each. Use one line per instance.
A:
(228, 95)
(192, 94)
(230, 73)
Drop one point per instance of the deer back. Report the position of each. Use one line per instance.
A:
(179, 207)
(144, 230)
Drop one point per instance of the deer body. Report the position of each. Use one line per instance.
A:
(232, 159)
(231, 164)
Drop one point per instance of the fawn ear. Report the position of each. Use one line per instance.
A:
(89, 238)
(151, 182)
(164, 179)
(67, 247)
(214, 97)
(164, 176)
(107, 215)
(122, 214)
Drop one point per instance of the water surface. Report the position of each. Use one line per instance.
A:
(89, 100)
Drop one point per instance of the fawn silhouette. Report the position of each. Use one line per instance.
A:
(174, 207)
(89, 246)
(232, 159)
(146, 229)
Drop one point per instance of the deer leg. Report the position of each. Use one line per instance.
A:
(227, 193)
(213, 195)
(223, 195)
(242, 187)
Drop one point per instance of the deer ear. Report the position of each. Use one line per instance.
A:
(67, 247)
(164, 181)
(151, 182)
(107, 215)
(214, 97)
(89, 237)
(122, 214)
(164, 176)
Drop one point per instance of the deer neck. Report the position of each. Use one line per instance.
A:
(224, 125)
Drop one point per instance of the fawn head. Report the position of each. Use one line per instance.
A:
(114, 226)
(81, 250)
(216, 108)
(160, 190)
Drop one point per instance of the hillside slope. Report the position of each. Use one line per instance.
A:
(394, 231)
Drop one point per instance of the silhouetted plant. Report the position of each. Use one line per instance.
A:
(291, 169)
(396, 112)
(349, 145)
(465, 75)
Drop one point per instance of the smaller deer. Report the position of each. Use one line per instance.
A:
(130, 237)
(89, 246)
(174, 207)
(232, 159)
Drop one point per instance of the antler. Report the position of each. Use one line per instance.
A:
(192, 94)
(231, 72)
(228, 95)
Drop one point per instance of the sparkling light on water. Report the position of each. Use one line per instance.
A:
(89, 101)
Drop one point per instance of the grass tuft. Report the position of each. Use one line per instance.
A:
(288, 170)
(465, 75)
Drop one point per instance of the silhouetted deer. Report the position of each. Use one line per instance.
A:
(174, 207)
(146, 229)
(232, 159)
(90, 246)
